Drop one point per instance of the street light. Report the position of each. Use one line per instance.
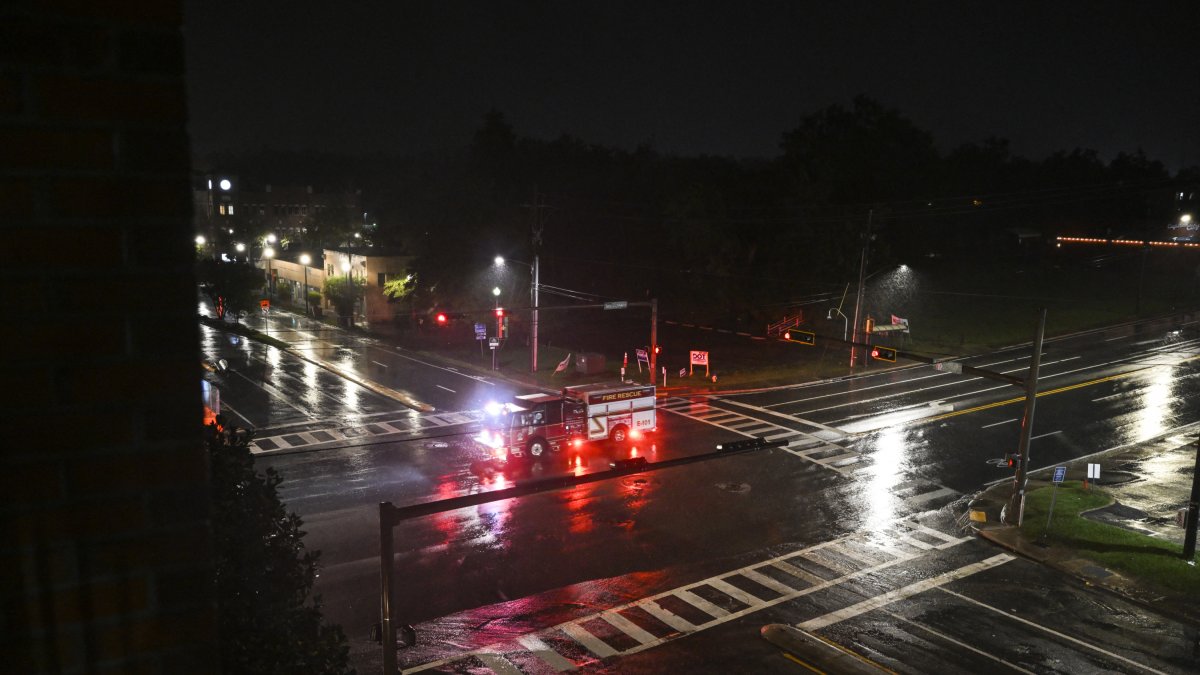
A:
(304, 260)
(269, 253)
(845, 321)
(533, 324)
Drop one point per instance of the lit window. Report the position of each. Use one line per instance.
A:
(231, 209)
(221, 209)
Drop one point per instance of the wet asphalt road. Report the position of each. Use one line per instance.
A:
(860, 504)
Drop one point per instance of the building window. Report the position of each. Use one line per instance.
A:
(382, 278)
(221, 209)
(231, 209)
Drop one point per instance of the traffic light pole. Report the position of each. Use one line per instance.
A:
(533, 325)
(858, 296)
(1021, 480)
(653, 337)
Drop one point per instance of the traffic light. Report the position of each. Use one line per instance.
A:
(883, 354)
(499, 312)
(657, 349)
(1012, 460)
(802, 336)
(441, 319)
(501, 323)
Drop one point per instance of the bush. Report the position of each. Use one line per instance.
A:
(268, 621)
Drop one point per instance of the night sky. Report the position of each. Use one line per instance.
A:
(692, 77)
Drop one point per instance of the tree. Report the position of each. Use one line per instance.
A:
(343, 291)
(268, 620)
(399, 289)
(232, 286)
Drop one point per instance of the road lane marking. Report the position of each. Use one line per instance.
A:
(592, 643)
(498, 664)
(996, 424)
(540, 649)
(1034, 438)
(958, 643)
(628, 627)
(902, 593)
(735, 592)
(446, 388)
(574, 629)
(1051, 631)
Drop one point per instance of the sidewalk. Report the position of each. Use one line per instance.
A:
(1150, 481)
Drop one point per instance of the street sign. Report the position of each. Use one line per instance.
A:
(480, 331)
(620, 304)
(1094, 471)
(1060, 473)
(494, 342)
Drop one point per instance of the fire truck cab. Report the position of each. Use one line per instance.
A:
(535, 424)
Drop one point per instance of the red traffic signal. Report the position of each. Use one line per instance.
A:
(883, 354)
(657, 350)
(499, 312)
(1012, 460)
(441, 319)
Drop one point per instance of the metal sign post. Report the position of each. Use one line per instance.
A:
(1060, 473)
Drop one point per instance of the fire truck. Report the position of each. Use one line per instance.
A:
(533, 425)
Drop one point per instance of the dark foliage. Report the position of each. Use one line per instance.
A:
(232, 286)
(269, 621)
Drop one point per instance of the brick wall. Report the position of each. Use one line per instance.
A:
(104, 553)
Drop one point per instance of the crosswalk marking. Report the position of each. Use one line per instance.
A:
(764, 580)
(701, 604)
(498, 663)
(575, 629)
(670, 618)
(302, 439)
(628, 627)
(735, 592)
(540, 649)
(593, 644)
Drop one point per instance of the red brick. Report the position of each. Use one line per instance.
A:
(78, 247)
(93, 519)
(32, 482)
(55, 149)
(61, 338)
(77, 98)
(54, 434)
(49, 43)
(10, 95)
(127, 382)
(140, 11)
(102, 197)
(16, 198)
(157, 550)
(162, 632)
(98, 599)
(143, 472)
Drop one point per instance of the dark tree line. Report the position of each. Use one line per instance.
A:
(724, 238)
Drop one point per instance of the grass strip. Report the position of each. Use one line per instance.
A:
(1151, 560)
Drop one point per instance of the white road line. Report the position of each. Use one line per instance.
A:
(381, 365)
(929, 496)
(797, 572)
(1053, 632)
(735, 592)
(593, 644)
(446, 388)
(790, 418)
(959, 643)
(996, 424)
(498, 663)
(701, 604)
(764, 580)
(1051, 433)
(628, 627)
(275, 393)
(902, 593)
(543, 651)
(670, 618)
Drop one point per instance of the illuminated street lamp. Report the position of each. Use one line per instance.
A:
(533, 324)
(305, 260)
(269, 253)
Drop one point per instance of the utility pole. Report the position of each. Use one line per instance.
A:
(537, 227)
(1017, 506)
(858, 298)
(653, 336)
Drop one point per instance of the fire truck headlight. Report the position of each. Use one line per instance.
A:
(577, 442)
(635, 434)
(493, 408)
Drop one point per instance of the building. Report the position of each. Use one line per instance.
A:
(375, 266)
(228, 209)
